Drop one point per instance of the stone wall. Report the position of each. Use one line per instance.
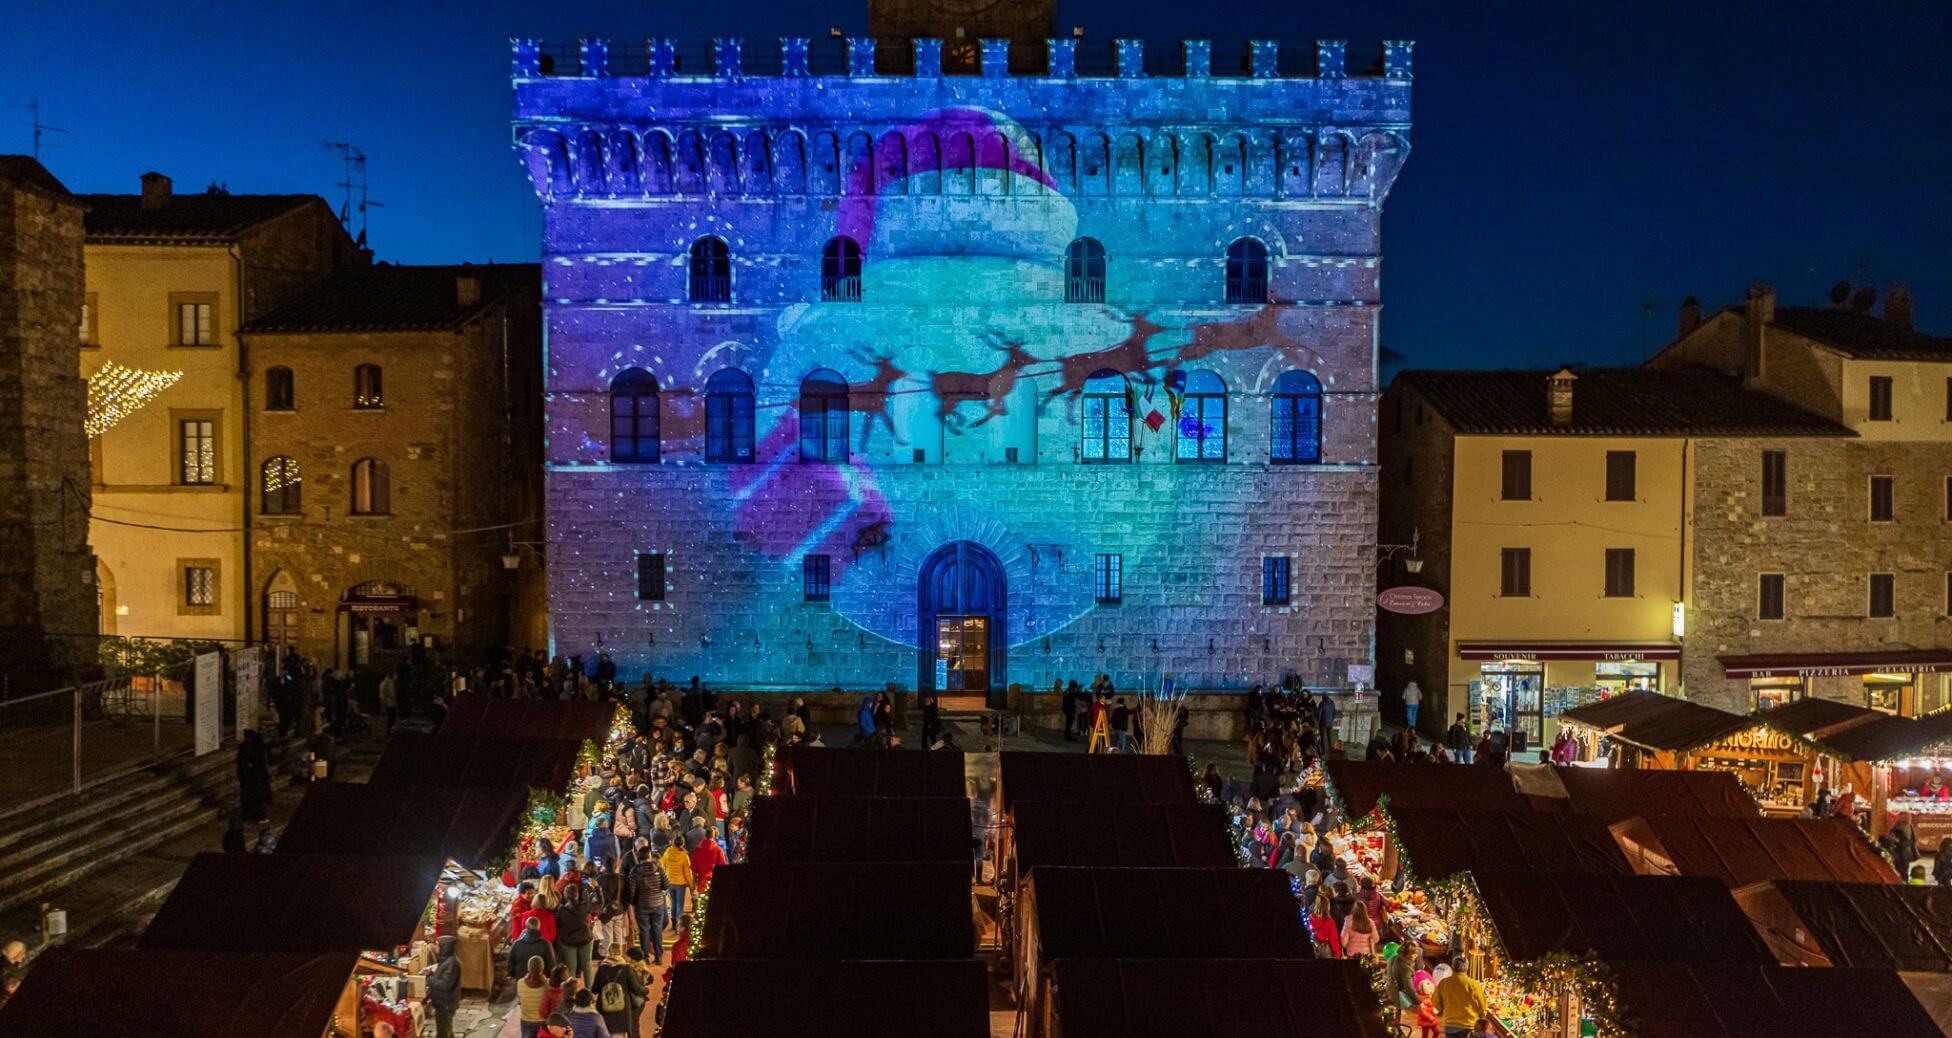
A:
(47, 570)
(1826, 546)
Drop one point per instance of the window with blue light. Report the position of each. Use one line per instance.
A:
(1108, 579)
(1246, 271)
(1084, 271)
(1274, 580)
(816, 578)
(634, 417)
(823, 417)
(1107, 411)
(728, 417)
(1203, 418)
(710, 272)
(1295, 420)
(840, 271)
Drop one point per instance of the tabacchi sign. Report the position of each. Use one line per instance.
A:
(1410, 601)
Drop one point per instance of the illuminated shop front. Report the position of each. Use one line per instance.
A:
(1525, 686)
(1903, 682)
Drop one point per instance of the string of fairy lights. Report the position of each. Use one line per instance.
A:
(116, 391)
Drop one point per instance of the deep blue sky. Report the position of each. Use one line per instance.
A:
(1573, 162)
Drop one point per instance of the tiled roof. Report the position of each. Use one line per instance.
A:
(389, 297)
(1862, 335)
(28, 172)
(1614, 402)
(182, 218)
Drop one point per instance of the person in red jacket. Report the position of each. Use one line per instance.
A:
(1322, 922)
(705, 857)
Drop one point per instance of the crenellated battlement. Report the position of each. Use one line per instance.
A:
(860, 57)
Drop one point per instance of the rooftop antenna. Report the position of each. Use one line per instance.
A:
(41, 129)
(353, 183)
(1647, 308)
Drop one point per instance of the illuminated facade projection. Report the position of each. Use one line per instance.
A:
(860, 376)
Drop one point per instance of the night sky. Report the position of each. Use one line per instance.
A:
(1574, 165)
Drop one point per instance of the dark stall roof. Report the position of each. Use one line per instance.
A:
(1862, 335)
(841, 911)
(1096, 913)
(1652, 918)
(825, 771)
(1877, 925)
(811, 998)
(1101, 778)
(1740, 851)
(1888, 738)
(472, 826)
(1613, 402)
(1807, 716)
(1437, 842)
(183, 218)
(1077, 832)
(1362, 785)
(464, 759)
(791, 829)
(1657, 722)
(395, 298)
(176, 994)
(1664, 1000)
(1215, 998)
(1617, 793)
(530, 718)
(294, 903)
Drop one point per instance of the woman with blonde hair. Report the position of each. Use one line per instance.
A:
(1360, 938)
(530, 992)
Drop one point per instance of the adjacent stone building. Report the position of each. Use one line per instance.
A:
(863, 371)
(393, 426)
(47, 570)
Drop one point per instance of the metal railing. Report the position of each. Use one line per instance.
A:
(840, 290)
(63, 741)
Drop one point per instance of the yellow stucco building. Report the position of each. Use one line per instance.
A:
(169, 278)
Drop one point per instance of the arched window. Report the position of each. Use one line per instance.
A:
(1107, 418)
(1084, 272)
(371, 492)
(1246, 271)
(367, 391)
(1203, 418)
(279, 392)
(633, 417)
(823, 417)
(711, 272)
(840, 271)
(728, 417)
(279, 486)
(1295, 420)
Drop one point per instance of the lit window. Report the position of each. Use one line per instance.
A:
(197, 439)
(816, 578)
(728, 417)
(1107, 410)
(1108, 579)
(367, 391)
(634, 417)
(710, 277)
(1084, 272)
(1246, 271)
(1295, 420)
(1203, 418)
(823, 417)
(279, 494)
(840, 271)
(1274, 580)
(199, 586)
(194, 323)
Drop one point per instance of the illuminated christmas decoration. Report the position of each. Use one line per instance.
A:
(115, 392)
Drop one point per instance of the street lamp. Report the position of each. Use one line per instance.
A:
(1412, 563)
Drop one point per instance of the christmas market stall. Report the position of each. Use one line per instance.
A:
(824, 771)
(1098, 778)
(576, 720)
(1740, 851)
(468, 761)
(1891, 926)
(1138, 835)
(177, 994)
(1639, 729)
(837, 911)
(1694, 1000)
(383, 908)
(806, 829)
(1891, 767)
(739, 998)
(1611, 793)
(1213, 998)
(1123, 913)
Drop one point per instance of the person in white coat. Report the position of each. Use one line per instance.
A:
(1412, 698)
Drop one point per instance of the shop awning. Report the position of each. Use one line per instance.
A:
(1740, 851)
(790, 830)
(1437, 843)
(1831, 664)
(1879, 925)
(846, 911)
(720, 998)
(294, 903)
(1075, 832)
(1651, 918)
(1653, 721)
(1215, 998)
(826, 771)
(176, 994)
(530, 718)
(1230, 913)
(1665, 1000)
(1100, 778)
(1546, 651)
(470, 760)
(471, 826)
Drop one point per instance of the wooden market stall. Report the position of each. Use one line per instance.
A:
(741, 998)
(1611, 793)
(576, 720)
(1213, 998)
(811, 829)
(1099, 778)
(1741, 851)
(1695, 1000)
(1896, 766)
(177, 994)
(470, 760)
(1640, 729)
(852, 910)
(1876, 925)
(826, 771)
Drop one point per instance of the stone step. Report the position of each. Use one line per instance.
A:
(63, 815)
(101, 819)
(181, 812)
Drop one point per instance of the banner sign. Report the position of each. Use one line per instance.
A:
(209, 702)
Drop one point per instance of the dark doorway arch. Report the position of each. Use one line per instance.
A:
(962, 622)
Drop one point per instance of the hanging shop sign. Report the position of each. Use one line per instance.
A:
(1410, 601)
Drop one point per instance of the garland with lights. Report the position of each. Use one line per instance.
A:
(115, 392)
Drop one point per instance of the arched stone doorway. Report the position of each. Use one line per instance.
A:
(281, 614)
(962, 622)
(106, 606)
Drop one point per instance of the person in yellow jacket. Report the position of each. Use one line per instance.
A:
(1459, 1001)
(678, 880)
